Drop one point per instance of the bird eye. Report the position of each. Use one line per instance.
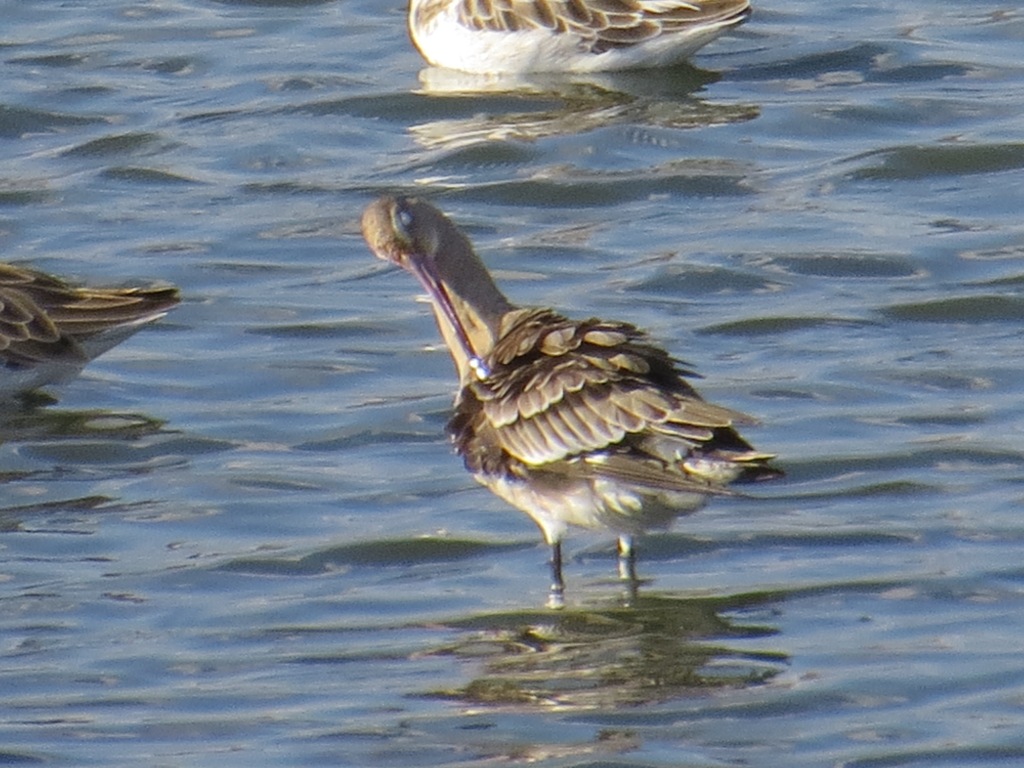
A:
(402, 218)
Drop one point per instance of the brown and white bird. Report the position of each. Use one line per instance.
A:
(50, 329)
(577, 423)
(522, 36)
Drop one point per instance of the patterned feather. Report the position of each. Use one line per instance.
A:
(50, 329)
(572, 35)
(559, 389)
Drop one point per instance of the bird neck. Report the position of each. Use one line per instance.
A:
(479, 307)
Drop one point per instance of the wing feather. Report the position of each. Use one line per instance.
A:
(560, 389)
(596, 399)
(27, 332)
(44, 318)
(612, 22)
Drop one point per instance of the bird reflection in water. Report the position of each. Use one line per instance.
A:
(659, 648)
(480, 109)
(52, 441)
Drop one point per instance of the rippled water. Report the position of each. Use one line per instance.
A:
(241, 539)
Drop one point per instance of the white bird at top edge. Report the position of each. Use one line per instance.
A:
(522, 36)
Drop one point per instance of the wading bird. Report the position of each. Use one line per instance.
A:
(577, 423)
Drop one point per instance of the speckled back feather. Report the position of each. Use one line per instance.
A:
(562, 391)
(44, 319)
(566, 35)
(600, 24)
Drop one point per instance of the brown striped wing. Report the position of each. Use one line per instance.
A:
(42, 317)
(560, 389)
(605, 23)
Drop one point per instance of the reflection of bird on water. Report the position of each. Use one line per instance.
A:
(580, 423)
(49, 440)
(606, 657)
(49, 329)
(502, 36)
(480, 108)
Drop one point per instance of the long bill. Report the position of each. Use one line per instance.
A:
(442, 301)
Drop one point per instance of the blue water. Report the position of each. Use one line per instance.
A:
(241, 539)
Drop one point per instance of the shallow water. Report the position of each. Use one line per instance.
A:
(240, 538)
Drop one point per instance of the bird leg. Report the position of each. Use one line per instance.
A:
(556, 598)
(627, 567)
(627, 559)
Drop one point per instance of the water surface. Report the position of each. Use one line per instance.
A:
(241, 539)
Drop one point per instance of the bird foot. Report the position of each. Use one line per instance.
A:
(556, 597)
